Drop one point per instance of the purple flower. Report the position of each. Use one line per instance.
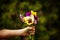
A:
(36, 19)
(28, 13)
(21, 17)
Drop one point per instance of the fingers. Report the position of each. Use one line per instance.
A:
(32, 32)
(28, 33)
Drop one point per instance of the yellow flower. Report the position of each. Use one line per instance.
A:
(33, 13)
(29, 20)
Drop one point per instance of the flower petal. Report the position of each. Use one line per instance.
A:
(33, 13)
(35, 17)
(21, 17)
(28, 13)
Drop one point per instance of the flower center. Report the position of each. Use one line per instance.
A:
(30, 21)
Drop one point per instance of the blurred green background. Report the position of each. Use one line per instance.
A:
(48, 26)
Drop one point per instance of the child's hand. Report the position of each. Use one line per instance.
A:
(31, 31)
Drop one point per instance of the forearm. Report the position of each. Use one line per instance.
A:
(16, 32)
(8, 33)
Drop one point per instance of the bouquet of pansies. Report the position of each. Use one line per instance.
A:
(30, 18)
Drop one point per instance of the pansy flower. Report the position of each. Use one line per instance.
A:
(30, 18)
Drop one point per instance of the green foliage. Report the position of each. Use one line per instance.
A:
(44, 29)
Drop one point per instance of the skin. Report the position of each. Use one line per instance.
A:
(20, 32)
